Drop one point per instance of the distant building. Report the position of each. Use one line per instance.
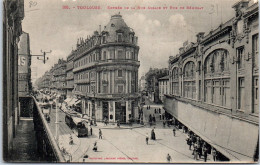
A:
(142, 84)
(214, 85)
(24, 66)
(164, 87)
(69, 76)
(152, 77)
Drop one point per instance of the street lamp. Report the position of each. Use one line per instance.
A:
(41, 55)
(57, 122)
(93, 107)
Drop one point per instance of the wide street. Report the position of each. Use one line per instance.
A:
(124, 144)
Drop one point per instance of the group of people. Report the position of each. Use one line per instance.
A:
(200, 147)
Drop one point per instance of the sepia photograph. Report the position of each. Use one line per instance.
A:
(130, 81)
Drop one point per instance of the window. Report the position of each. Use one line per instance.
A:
(132, 56)
(121, 54)
(120, 88)
(112, 54)
(241, 93)
(104, 55)
(104, 39)
(119, 37)
(240, 55)
(120, 73)
(189, 80)
(255, 51)
(255, 95)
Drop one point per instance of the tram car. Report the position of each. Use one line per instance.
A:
(81, 128)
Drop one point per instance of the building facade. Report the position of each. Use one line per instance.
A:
(142, 84)
(106, 72)
(164, 87)
(13, 14)
(214, 85)
(24, 66)
(152, 78)
(58, 79)
(69, 76)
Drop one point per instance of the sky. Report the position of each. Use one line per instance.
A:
(161, 32)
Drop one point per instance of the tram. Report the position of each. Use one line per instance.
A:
(77, 125)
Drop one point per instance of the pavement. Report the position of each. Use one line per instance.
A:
(126, 145)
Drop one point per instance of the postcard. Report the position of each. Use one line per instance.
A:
(130, 81)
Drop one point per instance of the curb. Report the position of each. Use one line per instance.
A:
(122, 127)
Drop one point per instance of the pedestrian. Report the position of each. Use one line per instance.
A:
(205, 153)
(100, 134)
(195, 151)
(174, 131)
(183, 129)
(189, 142)
(95, 147)
(160, 117)
(169, 158)
(153, 135)
(147, 107)
(214, 154)
(147, 138)
(90, 130)
(154, 119)
(164, 124)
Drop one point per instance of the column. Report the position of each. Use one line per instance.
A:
(114, 111)
(126, 85)
(127, 111)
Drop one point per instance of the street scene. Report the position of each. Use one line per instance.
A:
(130, 82)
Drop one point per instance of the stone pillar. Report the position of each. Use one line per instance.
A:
(128, 111)
(114, 111)
(127, 84)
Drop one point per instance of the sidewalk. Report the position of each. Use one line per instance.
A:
(101, 125)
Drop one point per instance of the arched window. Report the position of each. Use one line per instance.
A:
(189, 90)
(175, 81)
(217, 78)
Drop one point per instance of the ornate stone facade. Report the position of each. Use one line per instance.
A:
(13, 14)
(214, 84)
(106, 72)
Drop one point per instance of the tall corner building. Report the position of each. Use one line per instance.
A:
(106, 72)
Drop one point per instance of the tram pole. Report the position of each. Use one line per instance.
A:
(57, 123)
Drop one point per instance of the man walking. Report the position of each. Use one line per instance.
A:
(205, 152)
(90, 130)
(147, 138)
(100, 134)
(169, 158)
(174, 131)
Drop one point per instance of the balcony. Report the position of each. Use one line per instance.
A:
(34, 136)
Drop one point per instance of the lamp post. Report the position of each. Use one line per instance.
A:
(93, 108)
(57, 122)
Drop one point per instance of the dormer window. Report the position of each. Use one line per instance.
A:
(104, 39)
(112, 25)
(119, 37)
